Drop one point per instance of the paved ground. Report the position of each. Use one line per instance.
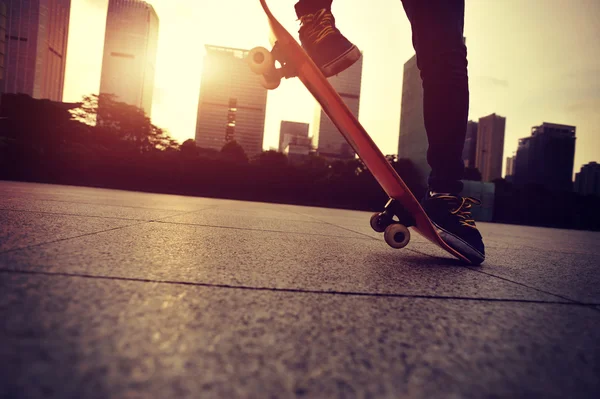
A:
(117, 294)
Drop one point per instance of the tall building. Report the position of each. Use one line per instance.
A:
(587, 181)
(232, 102)
(130, 46)
(413, 142)
(469, 150)
(329, 141)
(510, 167)
(289, 130)
(490, 147)
(36, 38)
(546, 157)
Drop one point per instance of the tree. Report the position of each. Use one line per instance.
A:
(234, 152)
(38, 123)
(120, 124)
(472, 174)
(189, 148)
(347, 169)
(411, 176)
(315, 166)
(271, 159)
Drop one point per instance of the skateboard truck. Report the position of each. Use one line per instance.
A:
(395, 233)
(262, 62)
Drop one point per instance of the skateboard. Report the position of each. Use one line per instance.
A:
(294, 62)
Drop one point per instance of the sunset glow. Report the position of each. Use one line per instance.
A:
(531, 62)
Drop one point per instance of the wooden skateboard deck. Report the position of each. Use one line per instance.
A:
(403, 204)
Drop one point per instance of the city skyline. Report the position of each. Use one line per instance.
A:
(511, 70)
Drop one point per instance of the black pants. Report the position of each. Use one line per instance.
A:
(437, 36)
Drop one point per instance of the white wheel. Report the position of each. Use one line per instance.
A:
(379, 222)
(269, 82)
(261, 61)
(397, 235)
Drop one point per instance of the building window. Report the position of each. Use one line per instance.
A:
(230, 129)
(122, 55)
(22, 39)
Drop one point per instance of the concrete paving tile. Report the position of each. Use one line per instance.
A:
(258, 210)
(540, 238)
(317, 212)
(356, 221)
(22, 229)
(110, 338)
(574, 276)
(85, 209)
(29, 192)
(265, 259)
(257, 219)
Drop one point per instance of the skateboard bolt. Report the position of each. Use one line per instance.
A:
(259, 58)
(399, 237)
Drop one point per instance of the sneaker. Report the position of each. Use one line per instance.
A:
(324, 43)
(451, 216)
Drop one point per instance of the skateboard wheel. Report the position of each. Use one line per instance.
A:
(397, 235)
(379, 222)
(261, 61)
(269, 83)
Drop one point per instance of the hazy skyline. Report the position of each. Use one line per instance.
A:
(531, 62)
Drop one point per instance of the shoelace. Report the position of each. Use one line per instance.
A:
(462, 211)
(318, 25)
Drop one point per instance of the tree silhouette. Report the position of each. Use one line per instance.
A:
(410, 175)
(122, 124)
(271, 159)
(39, 123)
(472, 174)
(234, 152)
(189, 149)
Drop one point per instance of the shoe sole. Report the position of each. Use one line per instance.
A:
(341, 63)
(458, 244)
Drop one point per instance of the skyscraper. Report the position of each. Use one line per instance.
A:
(470, 147)
(330, 142)
(413, 142)
(36, 37)
(510, 167)
(490, 146)
(289, 130)
(546, 157)
(130, 46)
(587, 181)
(232, 102)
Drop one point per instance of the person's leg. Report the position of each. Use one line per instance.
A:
(437, 27)
(323, 42)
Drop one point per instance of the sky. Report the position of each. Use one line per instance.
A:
(530, 61)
